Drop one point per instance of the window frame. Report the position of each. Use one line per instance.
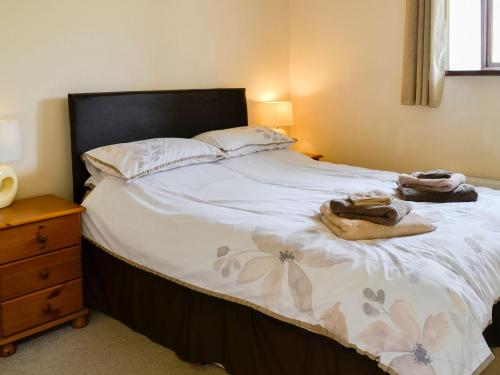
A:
(487, 42)
(488, 67)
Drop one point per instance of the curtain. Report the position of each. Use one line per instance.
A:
(425, 52)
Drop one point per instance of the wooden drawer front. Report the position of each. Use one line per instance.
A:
(40, 307)
(33, 239)
(39, 272)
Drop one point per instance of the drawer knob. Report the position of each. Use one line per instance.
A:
(41, 238)
(47, 308)
(44, 274)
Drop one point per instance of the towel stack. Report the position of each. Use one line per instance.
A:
(438, 186)
(373, 215)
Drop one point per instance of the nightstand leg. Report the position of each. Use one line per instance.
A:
(80, 322)
(7, 350)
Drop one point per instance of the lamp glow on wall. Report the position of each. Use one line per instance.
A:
(10, 150)
(277, 115)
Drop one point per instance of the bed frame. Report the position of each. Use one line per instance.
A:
(198, 327)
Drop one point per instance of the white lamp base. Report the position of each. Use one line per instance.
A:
(8, 185)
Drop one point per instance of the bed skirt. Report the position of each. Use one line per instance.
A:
(203, 329)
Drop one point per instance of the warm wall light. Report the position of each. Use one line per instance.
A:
(277, 114)
(10, 150)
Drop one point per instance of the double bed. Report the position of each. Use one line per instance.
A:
(227, 262)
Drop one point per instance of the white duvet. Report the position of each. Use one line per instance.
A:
(246, 229)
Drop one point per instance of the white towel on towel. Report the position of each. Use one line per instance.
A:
(442, 185)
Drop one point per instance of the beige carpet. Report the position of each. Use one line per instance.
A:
(104, 347)
(107, 347)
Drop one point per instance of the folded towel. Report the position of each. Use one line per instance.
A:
(443, 185)
(371, 198)
(383, 215)
(354, 230)
(434, 175)
(463, 193)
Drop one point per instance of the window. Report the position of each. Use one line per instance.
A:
(474, 37)
(493, 33)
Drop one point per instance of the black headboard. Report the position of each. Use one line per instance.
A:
(107, 118)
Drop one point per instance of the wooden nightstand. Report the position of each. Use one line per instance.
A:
(313, 156)
(40, 268)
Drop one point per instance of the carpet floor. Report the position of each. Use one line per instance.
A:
(107, 347)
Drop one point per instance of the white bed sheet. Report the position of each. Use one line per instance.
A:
(246, 229)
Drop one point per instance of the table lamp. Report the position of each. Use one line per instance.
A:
(10, 150)
(277, 115)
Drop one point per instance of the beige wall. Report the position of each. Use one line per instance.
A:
(50, 48)
(345, 71)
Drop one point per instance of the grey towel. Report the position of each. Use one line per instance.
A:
(384, 215)
(435, 174)
(463, 193)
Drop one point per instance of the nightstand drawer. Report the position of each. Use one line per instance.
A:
(39, 272)
(40, 307)
(34, 239)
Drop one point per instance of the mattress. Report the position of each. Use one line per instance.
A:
(247, 230)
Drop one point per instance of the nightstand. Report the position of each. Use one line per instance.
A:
(313, 156)
(40, 269)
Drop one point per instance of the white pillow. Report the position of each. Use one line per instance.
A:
(245, 140)
(136, 159)
(96, 176)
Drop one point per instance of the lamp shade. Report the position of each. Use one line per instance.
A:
(277, 114)
(10, 141)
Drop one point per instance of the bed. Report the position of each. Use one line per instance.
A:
(186, 256)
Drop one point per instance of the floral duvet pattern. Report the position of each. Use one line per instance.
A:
(283, 255)
(246, 229)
